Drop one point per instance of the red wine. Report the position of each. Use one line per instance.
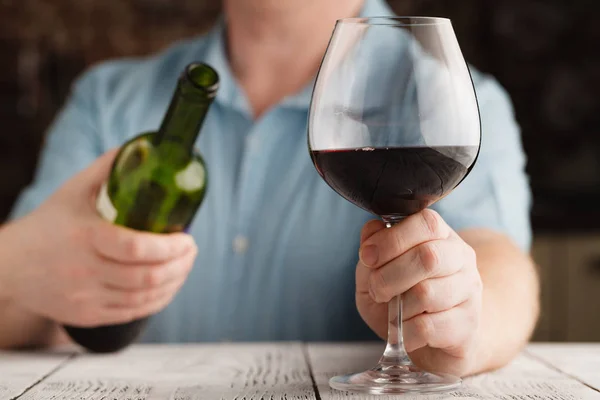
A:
(395, 181)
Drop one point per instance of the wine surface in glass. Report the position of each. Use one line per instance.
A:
(395, 181)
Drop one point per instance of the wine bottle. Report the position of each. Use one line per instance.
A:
(156, 184)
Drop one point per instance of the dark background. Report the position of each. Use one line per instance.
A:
(546, 53)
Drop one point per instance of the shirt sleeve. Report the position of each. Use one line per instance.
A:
(70, 145)
(496, 194)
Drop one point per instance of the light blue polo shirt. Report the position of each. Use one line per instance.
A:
(277, 247)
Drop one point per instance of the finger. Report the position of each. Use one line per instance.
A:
(443, 330)
(433, 259)
(138, 277)
(362, 272)
(133, 299)
(90, 179)
(117, 315)
(387, 244)
(370, 228)
(128, 246)
(439, 294)
(436, 361)
(362, 278)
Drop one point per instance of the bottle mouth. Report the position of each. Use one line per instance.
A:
(204, 77)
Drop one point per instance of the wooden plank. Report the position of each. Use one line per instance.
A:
(182, 372)
(21, 370)
(580, 360)
(524, 379)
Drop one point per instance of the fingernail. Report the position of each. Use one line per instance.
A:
(369, 255)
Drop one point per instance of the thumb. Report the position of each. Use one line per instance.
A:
(371, 228)
(96, 173)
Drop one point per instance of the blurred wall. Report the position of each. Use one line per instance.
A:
(45, 44)
(545, 52)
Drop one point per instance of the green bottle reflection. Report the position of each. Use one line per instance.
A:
(157, 184)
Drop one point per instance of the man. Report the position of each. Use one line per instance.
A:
(277, 249)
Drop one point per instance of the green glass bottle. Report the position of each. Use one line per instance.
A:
(156, 184)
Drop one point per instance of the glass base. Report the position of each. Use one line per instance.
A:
(395, 379)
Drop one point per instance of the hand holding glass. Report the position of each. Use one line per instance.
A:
(394, 127)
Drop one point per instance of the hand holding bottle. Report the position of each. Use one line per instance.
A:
(73, 267)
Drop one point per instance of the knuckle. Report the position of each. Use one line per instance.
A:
(134, 248)
(433, 222)
(379, 286)
(429, 258)
(424, 328)
(154, 277)
(424, 293)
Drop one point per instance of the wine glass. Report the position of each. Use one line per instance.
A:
(394, 127)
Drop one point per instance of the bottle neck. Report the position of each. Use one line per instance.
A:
(182, 123)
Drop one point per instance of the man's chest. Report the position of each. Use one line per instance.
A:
(271, 236)
(265, 202)
(270, 233)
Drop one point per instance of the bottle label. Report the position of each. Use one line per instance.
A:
(104, 205)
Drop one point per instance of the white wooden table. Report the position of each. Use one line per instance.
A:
(273, 372)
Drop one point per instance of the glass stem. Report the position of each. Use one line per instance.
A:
(394, 353)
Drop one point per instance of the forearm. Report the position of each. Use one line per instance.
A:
(510, 298)
(18, 327)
